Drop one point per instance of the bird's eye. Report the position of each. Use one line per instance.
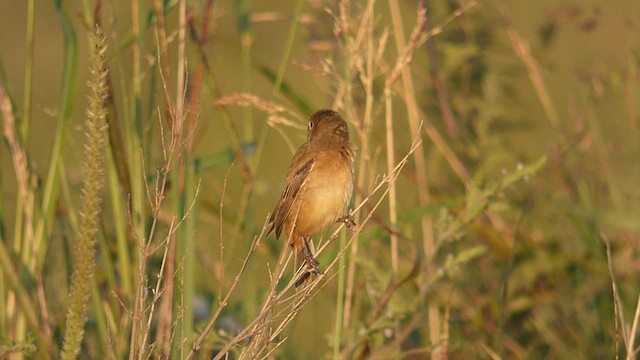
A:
(310, 125)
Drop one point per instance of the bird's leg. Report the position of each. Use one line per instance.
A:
(311, 262)
(309, 258)
(348, 221)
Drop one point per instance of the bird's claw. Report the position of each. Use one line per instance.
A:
(309, 259)
(312, 263)
(348, 221)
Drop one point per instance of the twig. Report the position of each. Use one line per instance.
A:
(632, 351)
(163, 58)
(619, 322)
(382, 303)
(198, 343)
(256, 329)
(386, 296)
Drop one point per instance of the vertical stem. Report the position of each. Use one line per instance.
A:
(171, 301)
(186, 172)
(248, 136)
(393, 214)
(133, 139)
(421, 171)
(337, 332)
(288, 45)
(246, 40)
(93, 183)
(163, 59)
(365, 130)
(28, 74)
(67, 94)
(135, 47)
(342, 284)
(180, 76)
(120, 225)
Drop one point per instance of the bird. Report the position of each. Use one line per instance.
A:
(318, 188)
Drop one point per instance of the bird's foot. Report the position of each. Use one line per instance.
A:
(313, 265)
(348, 221)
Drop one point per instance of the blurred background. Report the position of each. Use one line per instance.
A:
(531, 164)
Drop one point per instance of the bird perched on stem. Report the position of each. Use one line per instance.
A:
(318, 187)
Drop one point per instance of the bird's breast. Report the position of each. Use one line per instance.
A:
(327, 192)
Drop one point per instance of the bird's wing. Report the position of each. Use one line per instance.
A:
(295, 181)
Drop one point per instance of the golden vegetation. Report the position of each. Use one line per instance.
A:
(496, 194)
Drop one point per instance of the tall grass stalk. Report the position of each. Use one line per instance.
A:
(187, 187)
(135, 212)
(120, 227)
(421, 170)
(149, 296)
(284, 60)
(340, 303)
(374, 48)
(93, 171)
(19, 304)
(51, 189)
(98, 313)
(243, 20)
(28, 73)
(164, 64)
(350, 42)
(393, 212)
(25, 240)
(243, 16)
(140, 235)
(168, 317)
(346, 102)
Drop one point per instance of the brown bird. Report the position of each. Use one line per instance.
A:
(318, 187)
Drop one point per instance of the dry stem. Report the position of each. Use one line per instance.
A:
(281, 306)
